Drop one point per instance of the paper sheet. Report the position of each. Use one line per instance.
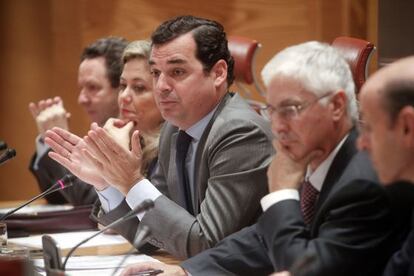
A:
(99, 262)
(38, 208)
(70, 239)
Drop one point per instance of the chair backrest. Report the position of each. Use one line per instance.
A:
(244, 52)
(357, 52)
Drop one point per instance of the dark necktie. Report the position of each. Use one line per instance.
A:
(307, 201)
(183, 142)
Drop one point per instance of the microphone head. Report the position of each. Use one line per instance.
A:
(66, 181)
(10, 153)
(3, 145)
(145, 205)
(7, 155)
(69, 178)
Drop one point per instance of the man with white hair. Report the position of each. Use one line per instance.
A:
(326, 213)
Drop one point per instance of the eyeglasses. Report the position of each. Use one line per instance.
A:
(289, 112)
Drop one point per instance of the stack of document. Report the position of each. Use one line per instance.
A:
(86, 265)
(96, 265)
(100, 245)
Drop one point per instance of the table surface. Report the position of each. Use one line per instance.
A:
(160, 255)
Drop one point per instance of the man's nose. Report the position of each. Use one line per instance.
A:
(83, 98)
(163, 85)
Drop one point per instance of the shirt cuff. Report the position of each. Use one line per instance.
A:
(277, 196)
(41, 150)
(139, 192)
(110, 198)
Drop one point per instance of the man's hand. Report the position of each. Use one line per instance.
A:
(49, 113)
(286, 173)
(119, 166)
(68, 152)
(172, 270)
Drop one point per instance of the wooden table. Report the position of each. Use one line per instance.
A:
(160, 255)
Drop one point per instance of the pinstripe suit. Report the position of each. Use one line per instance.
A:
(230, 178)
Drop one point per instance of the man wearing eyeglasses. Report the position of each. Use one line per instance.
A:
(326, 214)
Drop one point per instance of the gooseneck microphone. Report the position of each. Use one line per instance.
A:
(7, 155)
(61, 184)
(144, 206)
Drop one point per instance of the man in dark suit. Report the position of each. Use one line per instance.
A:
(216, 189)
(326, 214)
(387, 133)
(98, 79)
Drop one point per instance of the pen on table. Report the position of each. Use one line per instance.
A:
(148, 272)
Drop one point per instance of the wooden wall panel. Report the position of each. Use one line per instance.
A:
(42, 41)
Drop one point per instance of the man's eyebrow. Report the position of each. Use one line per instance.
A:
(288, 102)
(176, 61)
(171, 61)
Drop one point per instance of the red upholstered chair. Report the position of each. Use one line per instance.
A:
(244, 51)
(357, 52)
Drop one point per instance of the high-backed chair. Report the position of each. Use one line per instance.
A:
(358, 53)
(244, 51)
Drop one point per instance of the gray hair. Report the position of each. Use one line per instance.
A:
(318, 67)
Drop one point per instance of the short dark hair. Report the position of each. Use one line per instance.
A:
(111, 49)
(397, 95)
(208, 35)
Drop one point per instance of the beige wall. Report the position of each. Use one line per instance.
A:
(41, 41)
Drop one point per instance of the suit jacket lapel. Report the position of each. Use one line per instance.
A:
(198, 191)
(340, 162)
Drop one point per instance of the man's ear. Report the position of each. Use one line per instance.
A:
(406, 125)
(219, 72)
(338, 104)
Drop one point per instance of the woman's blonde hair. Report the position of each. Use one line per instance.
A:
(136, 49)
(140, 49)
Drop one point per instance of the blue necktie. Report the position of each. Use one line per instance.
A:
(183, 143)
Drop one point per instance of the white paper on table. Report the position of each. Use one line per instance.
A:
(69, 239)
(88, 272)
(99, 262)
(38, 208)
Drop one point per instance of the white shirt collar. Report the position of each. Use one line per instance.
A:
(317, 177)
(196, 130)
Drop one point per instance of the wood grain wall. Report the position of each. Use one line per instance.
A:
(41, 41)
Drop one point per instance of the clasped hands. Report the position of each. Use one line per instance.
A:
(49, 113)
(101, 158)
